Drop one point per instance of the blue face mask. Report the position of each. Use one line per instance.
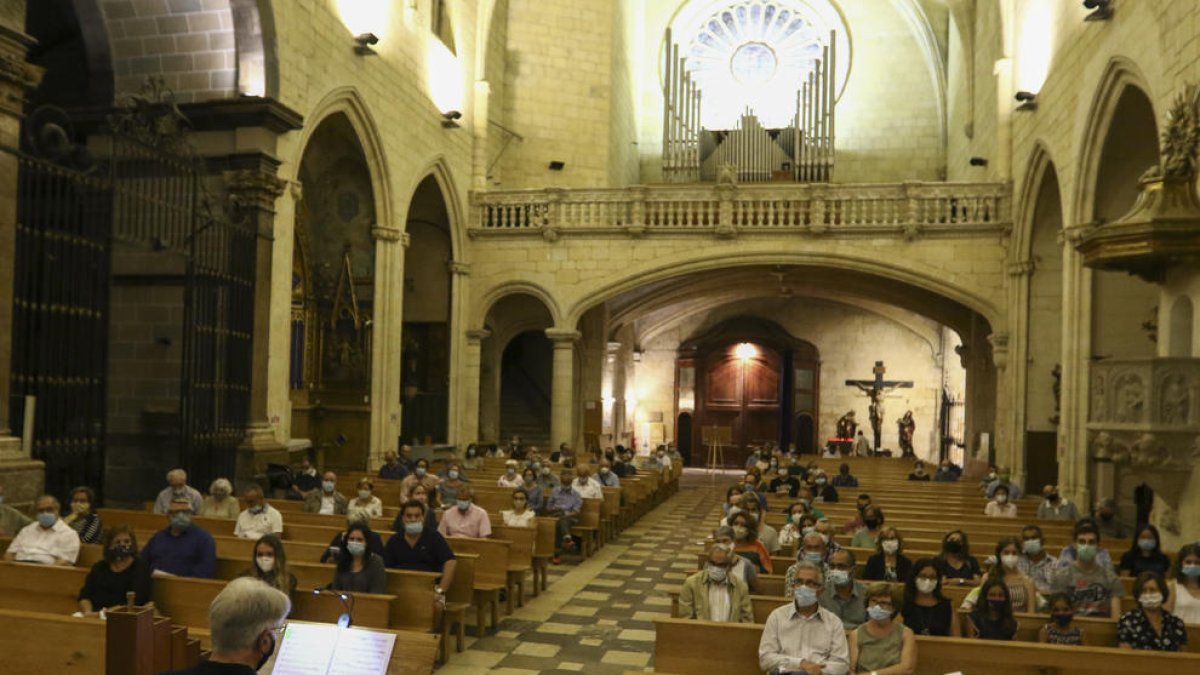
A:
(1147, 544)
(420, 472)
(463, 504)
(47, 520)
(328, 486)
(356, 548)
(1192, 571)
(878, 613)
(414, 528)
(804, 596)
(812, 556)
(452, 474)
(839, 577)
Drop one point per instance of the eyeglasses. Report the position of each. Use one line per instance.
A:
(811, 583)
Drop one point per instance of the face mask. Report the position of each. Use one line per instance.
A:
(716, 574)
(257, 509)
(265, 564)
(511, 472)
(774, 465)
(734, 510)
(871, 523)
(545, 471)
(181, 520)
(1086, 552)
(890, 546)
(1106, 516)
(1151, 600)
(1001, 498)
(812, 556)
(471, 452)
(328, 486)
(991, 475)
(1032, 546)
(603, 471)
(748, 485)
(1147, 544)
(926, 585)
(839, 577)
(1192, 571)
(414, 528)
(47, 520)
(953, 546)
(878, 613)
(80, 508)
(364, 494)
(421, 472)
(356, 548)
(740, 532)
(262, 661)
(121, 552)
(820, 481)
(452, 474)
(537, 465)
(996, 605)
(1010, 560)
(1062, 618)
(808, 530)
(463, 504)
(804, 596)
(1053, 496)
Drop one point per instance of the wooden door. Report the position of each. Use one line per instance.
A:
(743, 394)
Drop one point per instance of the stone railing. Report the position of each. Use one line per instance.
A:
(905, 209)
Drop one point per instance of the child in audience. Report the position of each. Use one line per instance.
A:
(993, 619)
(1062, 630)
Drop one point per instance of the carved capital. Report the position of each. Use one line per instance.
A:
(612, 347)
(1074, 234)
(461, 269)
(563, 338)
(999, 342)
(1021, 268)
(252, 194)
(385, 233)
(474, 337)
(16, 78)
(550, 234)
(297, 190)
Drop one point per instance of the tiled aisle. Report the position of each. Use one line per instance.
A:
(598, 617)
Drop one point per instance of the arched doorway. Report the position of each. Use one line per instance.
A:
(515, 362)
(1044, 333)
(806, 434)
(683, 437)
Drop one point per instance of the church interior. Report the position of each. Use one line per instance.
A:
(676, 241)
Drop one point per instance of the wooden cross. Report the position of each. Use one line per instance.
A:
(875, 389)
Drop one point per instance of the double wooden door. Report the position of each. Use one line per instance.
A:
(742, 393)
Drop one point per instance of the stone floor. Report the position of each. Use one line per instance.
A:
(598, 616)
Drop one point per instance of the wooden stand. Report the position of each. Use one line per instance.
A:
(130, 640)
(716, 438)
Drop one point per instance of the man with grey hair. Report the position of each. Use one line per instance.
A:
(714, 593)
(803, 637)
(843, 594)
(246, 618)
(48, 541)
(740, 567)
(177, 488)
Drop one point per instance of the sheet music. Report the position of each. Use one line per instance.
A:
(362, 652)
(322, 649)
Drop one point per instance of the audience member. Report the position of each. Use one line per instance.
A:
(824, 492)
(422, 550)
(337, 545)
(327, 500)
(533, 491)
(451, 483)
(466, 519)
(83, 517)
(1068, 554)
(245, 620)
(358, 569)
(11, 520)
(888, 563)
(845, 479)
(882, 644)
(1149, 626)
(805, 497)
(47, 540)
(990, 476)
(802, 636)
(919, 472)
(304, 481)
(825, 529)
(1145, 554)
(420, 476)
(1000, 507)
(955, 560)
(947, 472)
(747, 544)
(860, 503)
(766, 534)
(1108, 524)
(177, 488)
(1183, 596)
(547, 479)
(607, 477)
(1056, 507)
(220, 502)
(843, 594)
(872, 519)
(715, 593)
(862, 447)
(584, 485)
(1006, 567)
(509, 479)
(1035, 562)
(472, 461)
(992, 619)
(392, 469)
(1094, 588)
(520, 515)
(740, 566)
(1003, 477)
(812, 548)
(259, 518)
(365, 502)
(564, 503)
(927, 611)
(784, 483)
(181, 549)
(118, 573)
(792, 530)
(1062, 629)
(269, 564)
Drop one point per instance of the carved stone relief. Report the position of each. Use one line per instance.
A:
(1129, 396)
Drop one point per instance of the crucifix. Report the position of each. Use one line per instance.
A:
(875, 389)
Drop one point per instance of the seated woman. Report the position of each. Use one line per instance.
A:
(1183, 595)
(919, 472)
(120, 572)
(429, 498)
(766, 534)
(1144, 554)
(366, 502)
(926, 610)
(1062, 629)
(509, 479)
(83, 517)
(822, 490)
(533, 491)
(270, 564)
(1006, 568)
(448, 489)
(883, 644)
(472, 461)
(337, 545)
(1000, 507)
(872, 517)
(793, 530)
(955, 562)
(360, 570)
(888, 563)
(746, 543)
(992, 619)
(419, 477)
(220, 502)
(1149, 626)
(520, 515)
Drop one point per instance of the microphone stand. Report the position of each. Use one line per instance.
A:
(347, 617)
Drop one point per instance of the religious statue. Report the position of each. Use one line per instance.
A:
(875, 389)
(906, 428)
(875, 409)
(846, 425)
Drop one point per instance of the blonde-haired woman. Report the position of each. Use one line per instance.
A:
(220, 502)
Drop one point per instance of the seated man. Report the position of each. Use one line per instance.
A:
(1056, 507)
(327, 501)
(420, 549)
(802, 636)
(1095, 589)
(48, 541)
(608, 477)
(466, 519)
(1003, 477)
(585, 486)
(246, 619)
(946, 472)
(259, 517)
(181, 549)
(177, 488)
(392, 469)
(716, 594)
(304, 481)
(844, 477)
(11, 520)
(565, 504)
(1035, 562)
(843, 594)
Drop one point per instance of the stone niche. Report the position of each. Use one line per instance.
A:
(1144, 427)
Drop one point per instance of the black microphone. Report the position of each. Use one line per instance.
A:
(347, 617)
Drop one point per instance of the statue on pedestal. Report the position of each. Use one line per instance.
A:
(906, 427)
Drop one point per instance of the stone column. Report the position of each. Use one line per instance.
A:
(563, 405)
(458, 418)
(23, 477)
(1077, 348)
(489, 390)
(387, 326)
(1015, 377)
(469, 382)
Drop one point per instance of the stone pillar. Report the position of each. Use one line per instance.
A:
(608, 388)
(253, 188)
(563, 406)
(23, 477)
(489, 390)
(464, 424)
(1077, 348)
(387, 326)
(469, 382)
(1015, 376)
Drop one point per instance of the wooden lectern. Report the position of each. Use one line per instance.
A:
(716, 438)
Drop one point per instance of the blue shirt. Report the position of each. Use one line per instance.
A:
(390, 472)
(609, 480)
(565, 499)
(191, 554)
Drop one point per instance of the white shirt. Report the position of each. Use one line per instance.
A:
(789, 637)
(373, 508)
(718, 601)
(513, 519)
(326, 505)
(995, 509)
(589, 490)
(510, 482)
(34, 544)
(254, 525)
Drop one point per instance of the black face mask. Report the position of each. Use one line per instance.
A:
(871, 522)
(953, 546)
(262, 661)
(1106, 516)
(1053, 496)
(117, 553)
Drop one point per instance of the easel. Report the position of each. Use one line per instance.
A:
(716, 437)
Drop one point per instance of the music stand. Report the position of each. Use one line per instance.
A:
(716, 437)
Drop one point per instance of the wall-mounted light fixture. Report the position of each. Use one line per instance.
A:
(363, 44)
(450, 119)
(978, 161)
(1027, 99)
(557, 165)
(745, 351)
(1102, 10)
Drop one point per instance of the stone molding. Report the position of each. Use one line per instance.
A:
(1021, 268)
(475, 337)
(457, 268)
(389, 234)
(563, 338)
(16, 76)
(999, 342)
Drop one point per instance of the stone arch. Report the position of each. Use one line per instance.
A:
(498, 293)
(1041, 164)
(518, 319)
(438, 170)
(76, 74)
(255, 42)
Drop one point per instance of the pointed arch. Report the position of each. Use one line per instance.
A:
(438, 169)
(1040, 162)
(255, 42)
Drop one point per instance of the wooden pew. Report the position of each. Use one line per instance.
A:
(37, 642)
(491, 573)
(588, 528)
(520, 559)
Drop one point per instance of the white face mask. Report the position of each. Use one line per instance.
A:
(1001, 498)
(265, 564)
(890, 545)
(926, 585)
(1151, 600)
(1010, 560)
(364, 494)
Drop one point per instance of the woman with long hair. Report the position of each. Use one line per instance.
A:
(269, 564)
(1144, 554)
(358, 569)
(992, 618)
(926, 609)
(1183, 598)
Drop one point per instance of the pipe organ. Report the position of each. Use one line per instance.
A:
(803, 151)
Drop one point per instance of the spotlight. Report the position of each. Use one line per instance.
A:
(1027, 99)
(978, 161)
(450, 119)
(364, 42)
(1101, 10)
(557, 165)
